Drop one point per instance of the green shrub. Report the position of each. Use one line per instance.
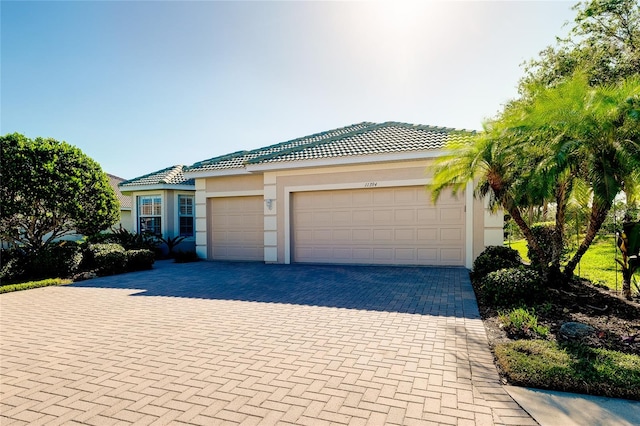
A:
(522, 323)
(139, 260)
(15, 262)
(60, 260)
(128, 240)
(512, 287)
(494, 258)
(185, 256)
(107, 259)
(544, 233)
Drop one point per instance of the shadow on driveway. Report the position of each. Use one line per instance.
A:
(416, 290)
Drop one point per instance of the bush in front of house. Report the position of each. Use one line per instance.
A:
(15, 263)
(140, 260)
(56, 260)
(494, 258)
(544, 233)
(106, 259)
(512, 287)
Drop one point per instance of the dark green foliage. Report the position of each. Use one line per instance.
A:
(140, 260)
(494, 258)
(603, 42)
(512, 287)
(172, 243)
(128, 240)
(185, 256)
(15, 262)
(543, 233)
(107, 259)
(58, 260)
(49, 189)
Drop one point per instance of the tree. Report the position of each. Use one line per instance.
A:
(542, 147)
(604, 43)
(50, 189)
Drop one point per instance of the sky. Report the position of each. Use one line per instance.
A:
(143, 85)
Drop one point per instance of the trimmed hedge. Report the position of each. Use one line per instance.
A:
(57, 260)
(108, 259)
(512, 287)
(140, 260)
(494, 258)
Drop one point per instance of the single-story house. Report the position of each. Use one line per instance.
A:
(163, 203)
(354, 195)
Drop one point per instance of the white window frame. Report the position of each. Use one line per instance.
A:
(191, 215)
(155, 213)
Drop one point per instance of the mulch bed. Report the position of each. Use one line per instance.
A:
(616, 320)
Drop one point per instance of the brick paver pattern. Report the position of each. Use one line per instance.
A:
(245, 343)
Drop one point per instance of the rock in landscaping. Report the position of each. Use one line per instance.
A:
(576, 331)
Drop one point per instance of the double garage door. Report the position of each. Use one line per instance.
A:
(397, 225)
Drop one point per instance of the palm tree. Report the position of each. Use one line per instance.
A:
(595, 137)
(540, 147)
(490, 161)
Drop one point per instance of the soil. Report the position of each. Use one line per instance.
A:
(616, 320)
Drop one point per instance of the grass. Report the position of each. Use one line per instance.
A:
(7, 288)
(572, 368)
(522, 322)
(597, 265)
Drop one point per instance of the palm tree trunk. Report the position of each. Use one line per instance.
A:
(596, 219)
(526, 231)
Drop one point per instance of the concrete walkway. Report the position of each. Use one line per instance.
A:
(241, 343)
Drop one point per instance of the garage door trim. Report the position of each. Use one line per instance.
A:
(468, 202)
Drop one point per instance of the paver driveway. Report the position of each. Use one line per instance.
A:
(216, 343)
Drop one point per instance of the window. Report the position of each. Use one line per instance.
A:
(149, 214)
(185, 215)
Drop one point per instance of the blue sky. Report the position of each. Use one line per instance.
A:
(142, 85)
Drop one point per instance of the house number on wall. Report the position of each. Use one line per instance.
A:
(370, 184)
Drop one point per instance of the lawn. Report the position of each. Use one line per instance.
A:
(597, 265)
(8, 288)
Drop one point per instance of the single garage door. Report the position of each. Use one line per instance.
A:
(236, 228)
(378, 226)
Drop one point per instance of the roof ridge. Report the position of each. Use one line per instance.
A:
(172, 173)
(427, 127)
(145, 176)
(368, 126)
(216, 159)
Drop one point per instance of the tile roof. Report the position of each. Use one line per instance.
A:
(239, 159)
(384, 138)
(364, 138)
(125, 201)
(173, 175)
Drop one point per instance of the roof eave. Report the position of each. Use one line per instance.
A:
(199, 174)
(127, 190)
(347, 160)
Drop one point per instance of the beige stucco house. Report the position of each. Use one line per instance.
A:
(353, 195)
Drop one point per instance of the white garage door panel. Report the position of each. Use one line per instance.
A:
(377, 225)
(236, 228)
